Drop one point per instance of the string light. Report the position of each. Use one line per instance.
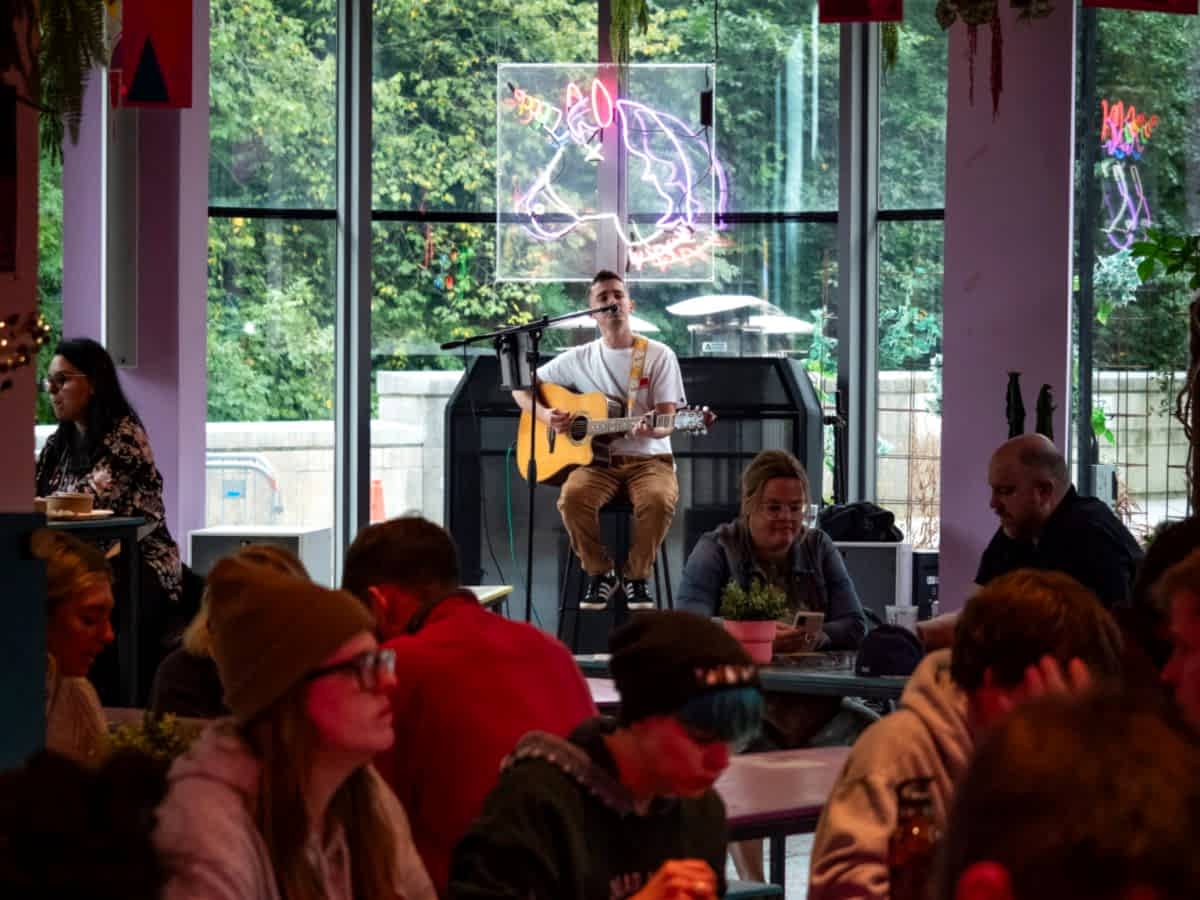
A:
(20, 339)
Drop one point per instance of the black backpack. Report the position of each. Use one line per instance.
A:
(859, 522)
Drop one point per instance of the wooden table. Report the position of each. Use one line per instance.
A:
(772, 795)
(791, 680)
(127, 568)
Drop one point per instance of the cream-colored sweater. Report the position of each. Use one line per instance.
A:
(75, 724)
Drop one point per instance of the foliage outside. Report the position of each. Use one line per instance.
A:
(763, 602)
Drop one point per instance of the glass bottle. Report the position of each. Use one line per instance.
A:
(913, 843)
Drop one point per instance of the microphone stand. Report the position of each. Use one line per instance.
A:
(508, 347)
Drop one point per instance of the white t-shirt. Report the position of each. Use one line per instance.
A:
(596, 367)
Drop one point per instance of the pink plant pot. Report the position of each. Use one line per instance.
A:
(757, 637)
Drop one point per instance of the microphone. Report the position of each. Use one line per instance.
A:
(611, 308)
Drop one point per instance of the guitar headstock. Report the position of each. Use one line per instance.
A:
(694, 419)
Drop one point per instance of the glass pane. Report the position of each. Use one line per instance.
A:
(776, 95)
(435, 283)
(435, 96)
(910, 377)
(272, 90)
(1145, 172)
(270, 373)
(912, 115)
(50, 275)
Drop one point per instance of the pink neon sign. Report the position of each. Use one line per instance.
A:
(1124, 133)
(666, 155)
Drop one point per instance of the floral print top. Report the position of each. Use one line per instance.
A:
(124, 479)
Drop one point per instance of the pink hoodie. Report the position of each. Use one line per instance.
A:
(213, 848)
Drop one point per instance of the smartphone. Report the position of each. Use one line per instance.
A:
(808, 621)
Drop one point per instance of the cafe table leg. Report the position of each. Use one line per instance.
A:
(778, 859)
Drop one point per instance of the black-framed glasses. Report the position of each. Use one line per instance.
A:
(58, 379)
(369, 667)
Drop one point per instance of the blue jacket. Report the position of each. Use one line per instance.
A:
(726, 553)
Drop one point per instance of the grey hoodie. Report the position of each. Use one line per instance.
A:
(213, 848)
(926, 736)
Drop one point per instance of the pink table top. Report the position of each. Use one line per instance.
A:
(781, 786)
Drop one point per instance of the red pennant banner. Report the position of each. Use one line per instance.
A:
(155, 53)
(835, 11)
(1182, 7)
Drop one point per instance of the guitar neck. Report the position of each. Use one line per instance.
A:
(619, 426)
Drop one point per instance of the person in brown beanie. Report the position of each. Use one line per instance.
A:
(624, 808)
(280, 802)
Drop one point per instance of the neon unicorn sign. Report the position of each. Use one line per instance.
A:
(1124, 133)
(674, 166)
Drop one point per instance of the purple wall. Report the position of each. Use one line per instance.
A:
(168, 386)
(1008, 263)
(83, 218)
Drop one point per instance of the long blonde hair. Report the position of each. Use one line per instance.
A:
(284, 740)
(196, 638)
(71, 565)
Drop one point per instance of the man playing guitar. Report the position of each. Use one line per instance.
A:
(646, 375)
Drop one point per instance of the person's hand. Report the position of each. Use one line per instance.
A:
(796, 640)
(558, 419)
(937, 633)
(1047, 676)
(680, 879)
(644, 427)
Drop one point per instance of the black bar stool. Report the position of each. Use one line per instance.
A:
(618, 514)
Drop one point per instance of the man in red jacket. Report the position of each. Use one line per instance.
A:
(470, 683)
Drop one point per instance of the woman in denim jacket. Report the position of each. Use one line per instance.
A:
(769, 542)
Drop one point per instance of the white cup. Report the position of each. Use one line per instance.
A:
(904, 616)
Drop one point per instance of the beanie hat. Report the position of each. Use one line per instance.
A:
(888, 650)
(270, 629)
(661, 660)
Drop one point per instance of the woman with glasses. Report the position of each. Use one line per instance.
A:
(280, 801)
(101, 448)
(771, 542)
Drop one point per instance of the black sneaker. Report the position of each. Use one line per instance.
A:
(636, 594)
(599, 589)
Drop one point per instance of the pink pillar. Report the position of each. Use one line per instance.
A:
(83, 220)
(1008, 263)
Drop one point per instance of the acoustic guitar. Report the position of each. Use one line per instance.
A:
(595, 420)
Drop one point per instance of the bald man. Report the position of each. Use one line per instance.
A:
(1045, 524)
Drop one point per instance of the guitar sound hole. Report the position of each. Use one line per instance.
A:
(578, 428)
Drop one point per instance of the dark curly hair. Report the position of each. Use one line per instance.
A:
(68, 831)
(1016, 619)
(107, 406)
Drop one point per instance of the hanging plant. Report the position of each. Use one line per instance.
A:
(625, 13)
(71, 43)
(975, 13)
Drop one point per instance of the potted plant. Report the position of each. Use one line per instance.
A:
(750, 616)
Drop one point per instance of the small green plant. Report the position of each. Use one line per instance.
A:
(161, 737)
(763, 602)
(1175, 254)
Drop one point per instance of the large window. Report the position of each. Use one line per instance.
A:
(271, 274)
(1138, 137)
(274, 234)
